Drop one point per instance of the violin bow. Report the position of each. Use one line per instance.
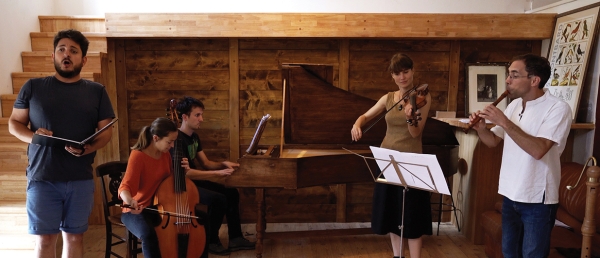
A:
(387, 111)
(174, 214)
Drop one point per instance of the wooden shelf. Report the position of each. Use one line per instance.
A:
(332, 25)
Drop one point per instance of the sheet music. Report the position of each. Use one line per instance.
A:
(48, 140)
(420, 171)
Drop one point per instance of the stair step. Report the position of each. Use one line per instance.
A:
(13, 193)
(13, 157)
(13, 218)
(44, 41)
(13, 207)
(41, 61)
(80, 23)
(12, 175)
(13, 190)
(16, 223)
(14, 242)
(18, 79)
(12, 147)
(5, 135)
(7, 101)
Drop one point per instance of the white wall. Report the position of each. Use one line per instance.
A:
(18, 18)
(296, 6)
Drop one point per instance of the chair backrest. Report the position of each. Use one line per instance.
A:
(111, 174)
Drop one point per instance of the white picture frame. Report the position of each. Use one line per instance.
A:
(485, 83)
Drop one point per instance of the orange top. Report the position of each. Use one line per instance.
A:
(143, 176)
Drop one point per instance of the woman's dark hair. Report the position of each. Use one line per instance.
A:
(161, 127)
(400, 62)
(74, 35)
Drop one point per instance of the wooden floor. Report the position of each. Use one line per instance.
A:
(450, 243)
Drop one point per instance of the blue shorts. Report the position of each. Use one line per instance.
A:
(59, 206)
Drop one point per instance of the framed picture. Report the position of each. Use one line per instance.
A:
(573, 41)
(485, 83)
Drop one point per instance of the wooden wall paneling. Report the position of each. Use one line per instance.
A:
(260, 78)
(234, 103)
(110, 152)
(183, 80)
(177, 60)
(342, 25)
(159, 70)
(369, 59)
(359, 201)
(249, 121)
(344, 64)
(298, 205)
(341, 193)
(453, 75)
(141, 100)
(536, 47)
(341, 202)
(116, 48)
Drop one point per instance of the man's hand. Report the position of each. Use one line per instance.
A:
(229, 164)
(478, 125)
(43, 131)
(225, 172)
(77, 152)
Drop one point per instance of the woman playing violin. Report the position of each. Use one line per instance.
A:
(149, 164)
(403, 134)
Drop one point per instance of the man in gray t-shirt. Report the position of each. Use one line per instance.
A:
(60, 186)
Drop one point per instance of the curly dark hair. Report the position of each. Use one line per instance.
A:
(74, 35)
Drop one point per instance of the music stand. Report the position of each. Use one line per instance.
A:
(410, 170)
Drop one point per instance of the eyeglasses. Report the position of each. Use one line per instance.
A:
(515, 76)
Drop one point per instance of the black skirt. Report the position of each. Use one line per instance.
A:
(387, 211)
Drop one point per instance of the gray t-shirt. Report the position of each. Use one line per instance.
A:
(69, 110)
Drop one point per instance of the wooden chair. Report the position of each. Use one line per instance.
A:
(111, 174)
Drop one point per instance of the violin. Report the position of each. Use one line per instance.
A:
(419, 93)
(417, 97)
(179, 233)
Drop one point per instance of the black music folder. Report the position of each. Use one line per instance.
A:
(52, 141)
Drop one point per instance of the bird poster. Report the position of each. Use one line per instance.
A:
(574, 34)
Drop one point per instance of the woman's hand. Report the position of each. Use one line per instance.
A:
(134, 207)
(356, 133)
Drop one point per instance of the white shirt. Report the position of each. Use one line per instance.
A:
(522, 177)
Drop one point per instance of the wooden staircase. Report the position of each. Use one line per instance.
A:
(14, 239)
